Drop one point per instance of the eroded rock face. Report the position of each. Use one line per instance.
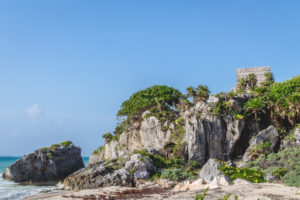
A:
(46, 165)
(124, 171)
(269, 134)
(211, 174)
(206, 135)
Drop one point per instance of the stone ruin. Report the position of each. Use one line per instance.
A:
(258, 71)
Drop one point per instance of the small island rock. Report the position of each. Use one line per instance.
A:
(46, 165)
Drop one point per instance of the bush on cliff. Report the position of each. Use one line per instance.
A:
(281, 99)
(158, 98)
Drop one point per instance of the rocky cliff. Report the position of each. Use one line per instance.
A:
(175, 134)
(197, 134)
(46, 165)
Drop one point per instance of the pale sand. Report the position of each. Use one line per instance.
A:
(263, 191)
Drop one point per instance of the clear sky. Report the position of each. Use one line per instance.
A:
(66, 66)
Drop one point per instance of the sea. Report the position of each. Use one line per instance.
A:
(13, 191)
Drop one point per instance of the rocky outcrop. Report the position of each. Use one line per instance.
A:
(210, 173)
(269, 134)
(46, 165)
(123, 171)
(205, 135)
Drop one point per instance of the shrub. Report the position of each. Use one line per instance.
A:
(178, 174)
(158, 97)
(201, 196)
(107, 136)
(292, 178)
(66, 143)
(283, 165)
(261, 148)
(200, 93)
(97, 151)
(161, 162)
(243, 173)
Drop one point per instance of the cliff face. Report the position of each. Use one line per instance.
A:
(198, 134)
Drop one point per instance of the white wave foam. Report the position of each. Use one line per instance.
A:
(13, 191)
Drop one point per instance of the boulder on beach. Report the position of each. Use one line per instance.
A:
(46, 165)
(211, 173)
(122, 171)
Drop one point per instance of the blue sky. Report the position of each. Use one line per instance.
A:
(66, 66)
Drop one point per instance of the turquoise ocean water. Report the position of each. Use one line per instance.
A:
(13, 191)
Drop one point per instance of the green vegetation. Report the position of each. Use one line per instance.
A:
(261, 148)
(200, 93)
(157, 98)
(97, 151)
(284, 165)
(281, 99)
(161, 162)
(172, 168)
(178, 175)
(66, 143)
(254, 106)
(201, 196)
(56, 146)
(233, 173)
(108, 137)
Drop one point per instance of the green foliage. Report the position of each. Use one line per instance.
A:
(261, 148)
(161, 162)
(243, 173)
(194, 164)
(292, 178)
(200, 93)
(56, 146)
(226, 197)
(251, 80)
(279, 173)
(254, 104)
(107, 136)
(66, 143)
(178, 175)
(201, 196)
(157, 97)
(284, 165)
(97, 151)
(269, 79)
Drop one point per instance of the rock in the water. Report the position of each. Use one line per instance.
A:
(269, 134)
(46, 165)
(211, 174)
(122, 171)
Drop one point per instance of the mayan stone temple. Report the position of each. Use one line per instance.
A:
(258, 71)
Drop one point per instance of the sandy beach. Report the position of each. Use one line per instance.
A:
(262, 191)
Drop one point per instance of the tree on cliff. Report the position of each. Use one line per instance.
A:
(201, 93)
(158, 98)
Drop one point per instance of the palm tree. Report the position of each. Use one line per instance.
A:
(251, 80)
(202, 92)
(242, 84)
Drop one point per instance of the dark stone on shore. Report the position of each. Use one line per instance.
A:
(46, 165)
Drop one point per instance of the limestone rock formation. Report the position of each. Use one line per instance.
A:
(210, 173)
(269, 134)
(46, 165)
(124, 171)
(204, 135)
